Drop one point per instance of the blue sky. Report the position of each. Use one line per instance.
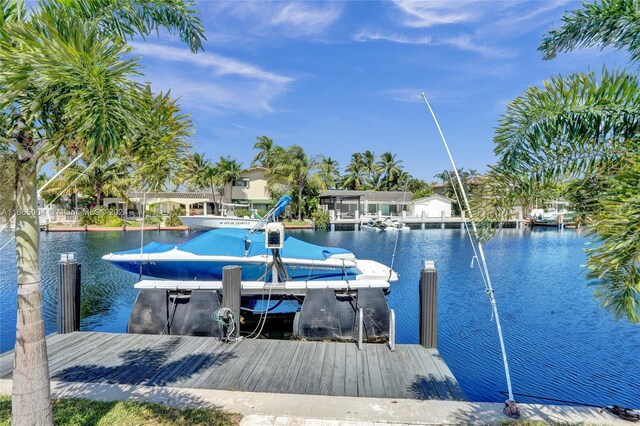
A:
(341, 77)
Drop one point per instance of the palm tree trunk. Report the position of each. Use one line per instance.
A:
(300, 188)
(96, 193)
(214, 196)
(31, 403)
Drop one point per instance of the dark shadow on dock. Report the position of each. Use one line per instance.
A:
(145, 366)
(433, 387)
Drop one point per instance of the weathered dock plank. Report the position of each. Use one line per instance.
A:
(314, 368)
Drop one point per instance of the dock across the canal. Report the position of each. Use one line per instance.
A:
(260, 365)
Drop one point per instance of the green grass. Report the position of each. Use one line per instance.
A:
(295, 223)
(83, 412)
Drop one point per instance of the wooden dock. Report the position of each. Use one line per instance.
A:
(280, 366)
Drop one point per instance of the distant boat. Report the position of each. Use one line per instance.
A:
(395, 225)
(552, 216)
(387, 224)
(227, 219)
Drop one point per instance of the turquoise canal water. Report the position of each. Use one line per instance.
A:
(560, 343)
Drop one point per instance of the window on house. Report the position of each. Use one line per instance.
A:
(244, 183)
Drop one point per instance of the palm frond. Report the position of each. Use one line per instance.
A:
(125, 19)
(568, 118)
(602, 23)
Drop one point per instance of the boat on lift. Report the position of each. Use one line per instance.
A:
(387, 224)
(395, 225)
(552, 216)
(321, 289)
(203, 258)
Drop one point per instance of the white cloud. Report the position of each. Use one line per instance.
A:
(219, 98)
(367, 35)
(404, 95)
(463, 42)
(540, 9)
(220, 64)
(304, 18)
(468, 43)
(422, 14)
(274, 18)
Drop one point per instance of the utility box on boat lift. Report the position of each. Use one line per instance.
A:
(274, 235)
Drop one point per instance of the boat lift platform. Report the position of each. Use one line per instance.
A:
(252, 288)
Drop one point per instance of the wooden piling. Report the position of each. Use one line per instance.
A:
(429, 305)
(68, 316)
(231, 288)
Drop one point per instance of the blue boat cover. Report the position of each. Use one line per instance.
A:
(239, 242)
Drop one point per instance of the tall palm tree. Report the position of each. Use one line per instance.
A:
(198, 173)
(391, 168)
(227, 170)
(294, 167)
(443, 176)
(328, 174)
(369, 163)
(355, 172)
(66, 78)
(265, 147)
(375, 181)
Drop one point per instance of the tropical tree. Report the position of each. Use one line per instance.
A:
(199, 174)
(160, 144)
(442, 176)
(99, 179)
(370, 166)
(227, 170)
(355, 173)
(328, 174)
(587, 127)
(419, 188)
(294, 167)
(264, 145)
(66, 81)
(391, 169)
(375, 181)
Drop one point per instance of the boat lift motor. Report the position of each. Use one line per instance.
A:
(274, 235)
(274, 241)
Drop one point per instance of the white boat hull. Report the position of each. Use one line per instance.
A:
(214, 222)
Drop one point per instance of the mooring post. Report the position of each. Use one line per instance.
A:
(360, 328)
(231, 291)
(429, 305)
(392, 330)
(68, 318)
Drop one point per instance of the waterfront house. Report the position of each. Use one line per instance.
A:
(163, 202)
(432, 206)
(348, 204)
(250, 188)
